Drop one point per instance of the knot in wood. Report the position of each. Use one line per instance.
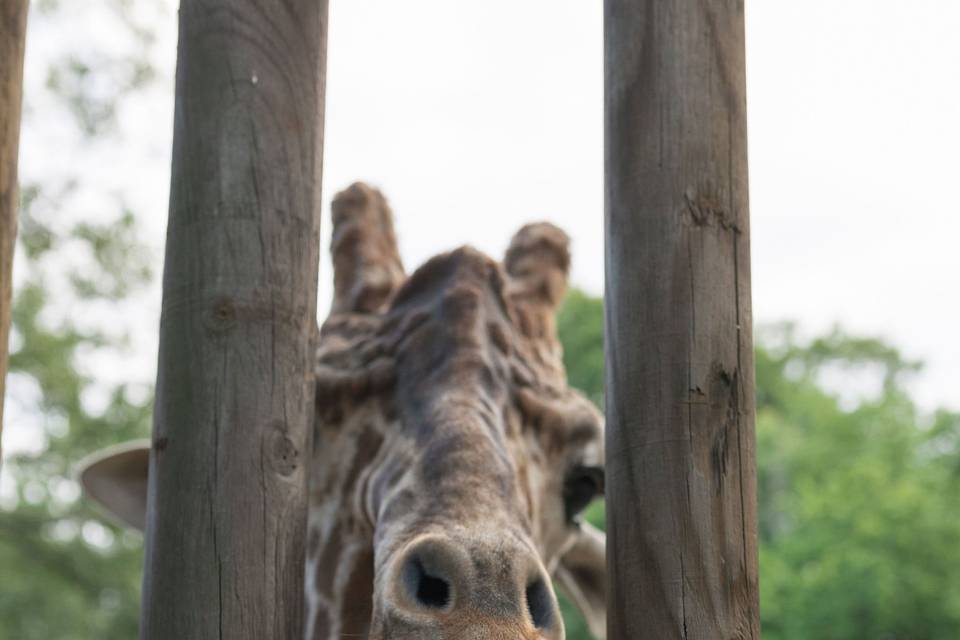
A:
(281, 453)
(221, 317)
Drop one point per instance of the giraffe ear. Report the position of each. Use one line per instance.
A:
(116, 479)
(367, 269)
(538, 261)
(582, 576)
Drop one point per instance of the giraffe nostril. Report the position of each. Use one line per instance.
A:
(487, 580)
(540, 604)
(428, 590)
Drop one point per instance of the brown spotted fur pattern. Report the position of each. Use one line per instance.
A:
(442, 409)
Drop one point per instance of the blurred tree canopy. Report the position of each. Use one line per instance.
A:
(66, 572)
(79, 269)
(859, 490)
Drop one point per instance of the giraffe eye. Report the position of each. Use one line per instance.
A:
(580, 487)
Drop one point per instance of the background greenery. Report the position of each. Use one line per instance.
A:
(859, 488)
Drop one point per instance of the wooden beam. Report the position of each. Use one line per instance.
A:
(681, 470)
(13, 36)
(234, 406)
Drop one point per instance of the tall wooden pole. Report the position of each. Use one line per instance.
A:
(681, 469)
(227, 497)
(13, 35)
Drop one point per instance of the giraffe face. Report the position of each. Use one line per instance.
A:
(469, 536)
(452, 459)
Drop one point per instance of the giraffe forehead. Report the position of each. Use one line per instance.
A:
(455, 348)
(478, 395)
(457, 302)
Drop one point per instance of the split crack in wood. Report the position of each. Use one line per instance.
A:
(706, 210)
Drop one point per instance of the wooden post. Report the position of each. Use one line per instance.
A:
(227, 494)
(681, 469)
(13, 35)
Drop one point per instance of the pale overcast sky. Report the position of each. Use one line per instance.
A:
(476, 117)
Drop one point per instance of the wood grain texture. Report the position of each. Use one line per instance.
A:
(227, 497)
(681, 468)
(13, 35)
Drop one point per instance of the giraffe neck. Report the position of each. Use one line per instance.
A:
(340, 539)
(350, 467)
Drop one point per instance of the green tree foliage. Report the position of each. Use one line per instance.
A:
(67, 572)
(580, 325)
(859, 499)
(859, 489)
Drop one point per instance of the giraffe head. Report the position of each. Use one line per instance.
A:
(451, 460)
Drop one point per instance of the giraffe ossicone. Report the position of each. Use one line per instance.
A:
(451, 459)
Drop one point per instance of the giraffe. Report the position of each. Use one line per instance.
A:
(451, 460)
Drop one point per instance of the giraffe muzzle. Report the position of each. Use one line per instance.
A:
(482, 587)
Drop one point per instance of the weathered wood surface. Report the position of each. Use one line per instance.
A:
(13, 35)
(227, 497)
(681, 471)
